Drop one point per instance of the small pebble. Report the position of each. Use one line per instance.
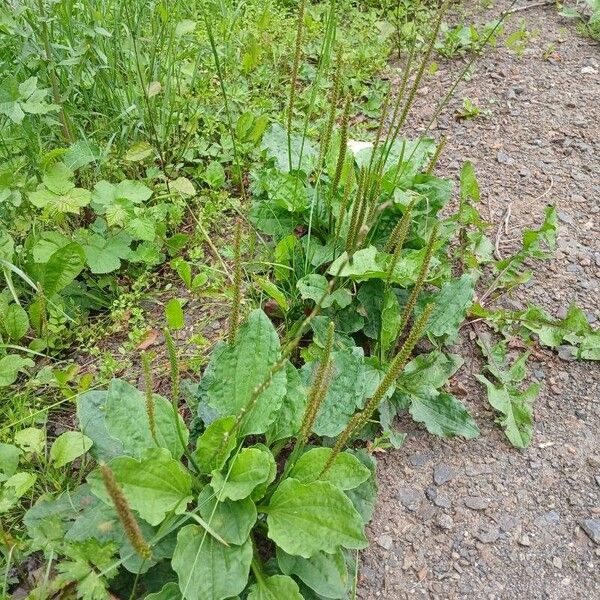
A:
(525, 541)
(445, 521)
(592, 528)
(476, 502)
(442, 474)
(385, 541)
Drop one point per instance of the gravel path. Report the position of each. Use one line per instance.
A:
(479, 519)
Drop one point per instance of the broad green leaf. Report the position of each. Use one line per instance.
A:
(9, 460)
(516, 410)
(15, 322)
(346, 390)
(289, 417)
(346, 472)
(213, 448)
(574, 329)
(369, 263)
(215, 175)
(272, 220)
(391, 318)
(248, 469)
(47, 244)
(287, 191)
(14, 488)
(451, 305)
(370, 295)
(91, 414)
(58, 193)
(142, 228)
(154, 486)
(169, 591)
(49, 519)
(276, 587)
(31, 440)
(208, 570)
(174, 314)
(315, 287)
(127, 421)
(69, 446)
(236, 371)
(326, 574)
(105, 194)
(81, 153)
(184, 186)
(443, 415)
(269, 288)
(364, 496)
(139, 151)
(62, 268)
(469, 188)
(104, 254)
(428, 371)
(231, 520)
(304, 519)
(275, 143)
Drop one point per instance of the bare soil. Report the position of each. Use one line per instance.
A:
(480, 519)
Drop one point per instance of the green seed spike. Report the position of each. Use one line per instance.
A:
(402, 227)
(128, 521)
(234, 318)
(337, 85)
(359, 420)
(343, 146)
(384, 111)
(436, 156)
(149, 393)
(343, 207)
(412, 299)
(318, 389)
(420, 72)
(398, 236)
(294, 76)
(356, 207)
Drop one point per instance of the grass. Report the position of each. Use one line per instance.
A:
(135, 134)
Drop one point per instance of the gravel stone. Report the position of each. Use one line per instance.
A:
(445, 521)
(476, 503)
(385, 541)
(410, 498)
(442, 474)
(592, 528)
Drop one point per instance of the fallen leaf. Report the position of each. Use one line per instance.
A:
(148, 340)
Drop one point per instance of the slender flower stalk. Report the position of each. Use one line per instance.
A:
(234, 317)
(425, 60)
(294, 76)
(412, 299)
(360, 419)
(149, 394)
(318, 389)
(337, 86)
(436, 156)
(128, 521)
(400, 231)
(356, 208)
(343, 146)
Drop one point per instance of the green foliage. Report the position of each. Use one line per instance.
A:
(514, 405)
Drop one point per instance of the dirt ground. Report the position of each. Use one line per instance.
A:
(480, 519)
